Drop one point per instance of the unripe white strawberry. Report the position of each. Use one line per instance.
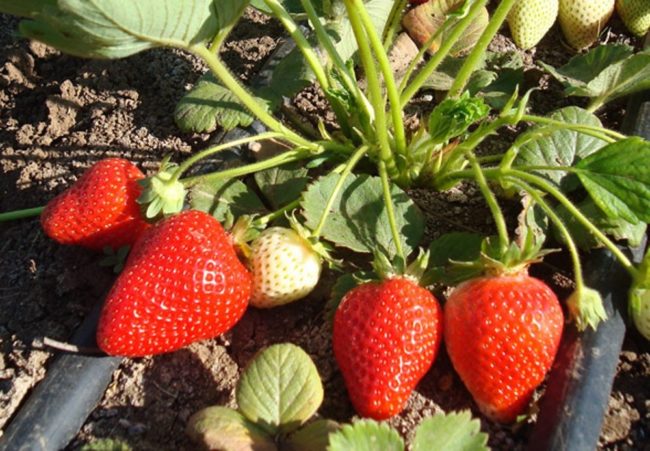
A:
(285, 267)
(583, 20)
(530, 20)
(635, 14)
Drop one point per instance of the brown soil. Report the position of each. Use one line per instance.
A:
(58, 115)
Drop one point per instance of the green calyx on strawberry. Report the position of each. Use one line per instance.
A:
(181, 283)
(162, 194)
(99, 210)
(386, 335)
(635, 14)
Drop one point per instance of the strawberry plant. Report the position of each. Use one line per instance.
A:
(344, 189)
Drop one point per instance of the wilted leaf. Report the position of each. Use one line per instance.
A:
(224, 429)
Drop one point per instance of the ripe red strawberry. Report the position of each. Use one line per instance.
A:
(502, 334)
(181, 283)
(99, 209)
(386, 336)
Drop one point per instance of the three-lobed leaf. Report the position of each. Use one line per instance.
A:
(618, 179)
(455, 431)
(358, 219)
(366, 435)
(280, 389)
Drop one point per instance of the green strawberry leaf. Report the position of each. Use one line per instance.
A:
(549, 146)
(282, 184)
(366, 435)
(618, 228)
(292, 6)
(26, 8)
(618, 179)
(225, 199)
(455, 431)
(620, 79)
(340, 26)
(208, 105)
(222, 428)
(453, 247)
(290, 75)
(280, 389)
(312, 437)
(581, 69)
(639, 297)
(358, 218)
(119, 28)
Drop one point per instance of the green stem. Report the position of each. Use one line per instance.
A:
(185, 165)
(592, 130)
(21, 214)
(570, 243)
(493, 205)
(278, 213)
(394, 22)
(374, 87)
(278, 160)
(595, 104)
(389, 78)
(326, 41)
(423, 75)
(230, 82)
(475, 57)
(301, 42)
(352, 162)
(390, 209)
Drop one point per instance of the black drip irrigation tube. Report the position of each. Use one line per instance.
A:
(575, 401)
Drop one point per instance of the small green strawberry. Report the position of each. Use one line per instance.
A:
(635, 14)
(583, 20)
(530, 20)
(285, 267)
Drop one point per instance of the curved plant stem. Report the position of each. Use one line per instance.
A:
(423, 75)
(352, 162)
(390, 209)
(230, 82)
(592, 130)
(570, 243)
(278, 160)
(474, 58)
(389, 79)
(325, 40)
(301, 42)
(21, 214)
(185, 165)
(374, 87)
(493, 205)
(277, 213)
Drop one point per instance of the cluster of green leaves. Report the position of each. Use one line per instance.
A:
(278, 394)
